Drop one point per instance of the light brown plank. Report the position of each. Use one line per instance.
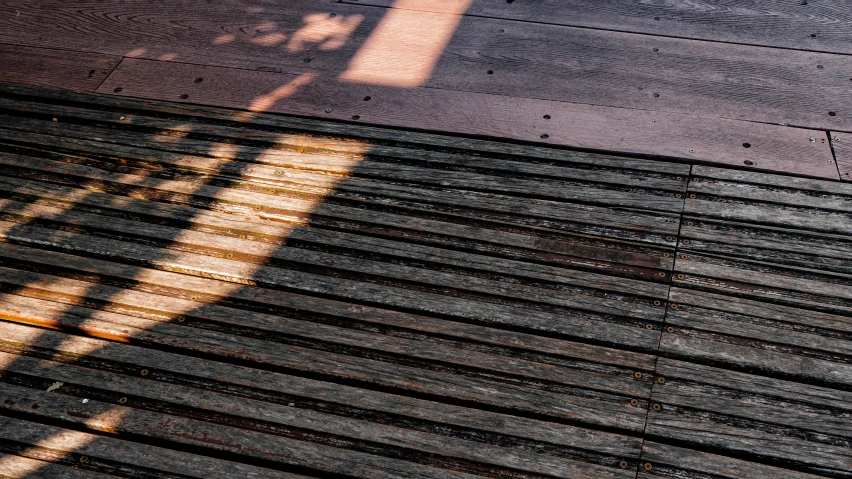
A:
(657, 134)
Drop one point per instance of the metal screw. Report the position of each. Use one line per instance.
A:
(674, 306)
(813, 35)
(181, 318)
(692, 151)
(546, 117)
(656, 407)
(657, 303)
(661, 274)
(831, 113)
(669, 238)
(670, 329)
(683, 256)
(820, 67)
(634, 402)
(623, 464)
(678, 178)
(677, 195)
(279, 172)
(689, 223)
(328, 110)
(661, 380)
(501, 31)
(545, 136)
(637, 375)
(649, 327)
(655, 49)
(122, 400)
(656, 95)
(648, 466)
(333, 15)
(692, 196)
(697, 180)
(84, 459)
(193, 297)
(680, 276)
(143, 372)
(118, 67)
(229, 255)
(812, 139)
(112, 77)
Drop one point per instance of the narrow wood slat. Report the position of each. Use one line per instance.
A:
(811, 347)
(44, 67)
(214, 407)
(18, 467)
(181, 289)
(168, 371)
(658, 134)
(819, 27)
(672, 461)
(842, 145)
(718, 410)
(225, 439)
(50, 444)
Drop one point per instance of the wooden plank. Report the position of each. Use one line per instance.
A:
(324, 133)
(739, 414)
(253, 414)
(18, 467)
(50, 445)
(842, 144)
(51, 68)
(282, 399)
(808, 346)
(818, 27)
(672, 461)
(640, 132)
(603, 67)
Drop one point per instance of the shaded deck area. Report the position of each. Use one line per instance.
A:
(196, 292)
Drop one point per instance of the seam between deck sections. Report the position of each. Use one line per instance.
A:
(639, 463)
(833, 154)
(114, 67)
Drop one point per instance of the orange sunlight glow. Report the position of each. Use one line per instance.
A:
(264, 102)
(403, 49)
(330, 32)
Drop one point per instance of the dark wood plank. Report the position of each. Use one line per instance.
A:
(47, 67)
(46, 446)
(450, 52)
(812, 26)
(629, 131)
(678, 462)
(842, 144)
(293, 412)
(774, 421)
(18, 467)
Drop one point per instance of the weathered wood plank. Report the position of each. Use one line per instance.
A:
(741, 418)
(642, 132)
(307, 396)
(215, 407)
(751, 335)
(19, 467)
(678, 462)
(52, 445)
(98, 415)
(818, 27)
(180, 290)
(51, 68)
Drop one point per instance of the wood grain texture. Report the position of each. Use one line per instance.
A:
(548, 62)
(819, 27)
(107, 455)
(628, 131)
(842, 145)
(683, 463)
(55, 68)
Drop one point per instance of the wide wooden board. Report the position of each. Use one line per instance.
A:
(812, 26)
(629, 131)
(45, 67)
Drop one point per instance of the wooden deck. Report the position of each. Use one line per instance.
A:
(425, 239)
(189, 292)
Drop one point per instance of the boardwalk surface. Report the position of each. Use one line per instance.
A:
(198, 292)
(397, 239)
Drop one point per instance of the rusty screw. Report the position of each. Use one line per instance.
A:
(674, 306)
(661, 380)
(680, 276)
(122, 400)
(634, 402)
(229, 255)
(649, 326)
(637, 375)
(623, 464)
(648, 466)
(84, 459)
(657, 407)
(670, 329)
(657, 303)
(143, 372)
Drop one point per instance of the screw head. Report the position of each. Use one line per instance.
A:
(674, 306)
(649, 327)
(328, 110)
(661, 380)
(812, 139)
(648, 466)
(143, 372)
(670, 329)
(655, 49)
(623, 464)
(634, 402)
(637, 375)
(84, 459)
(122, 400)
(657, 407)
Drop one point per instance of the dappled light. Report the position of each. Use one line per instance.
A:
(328, 31)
